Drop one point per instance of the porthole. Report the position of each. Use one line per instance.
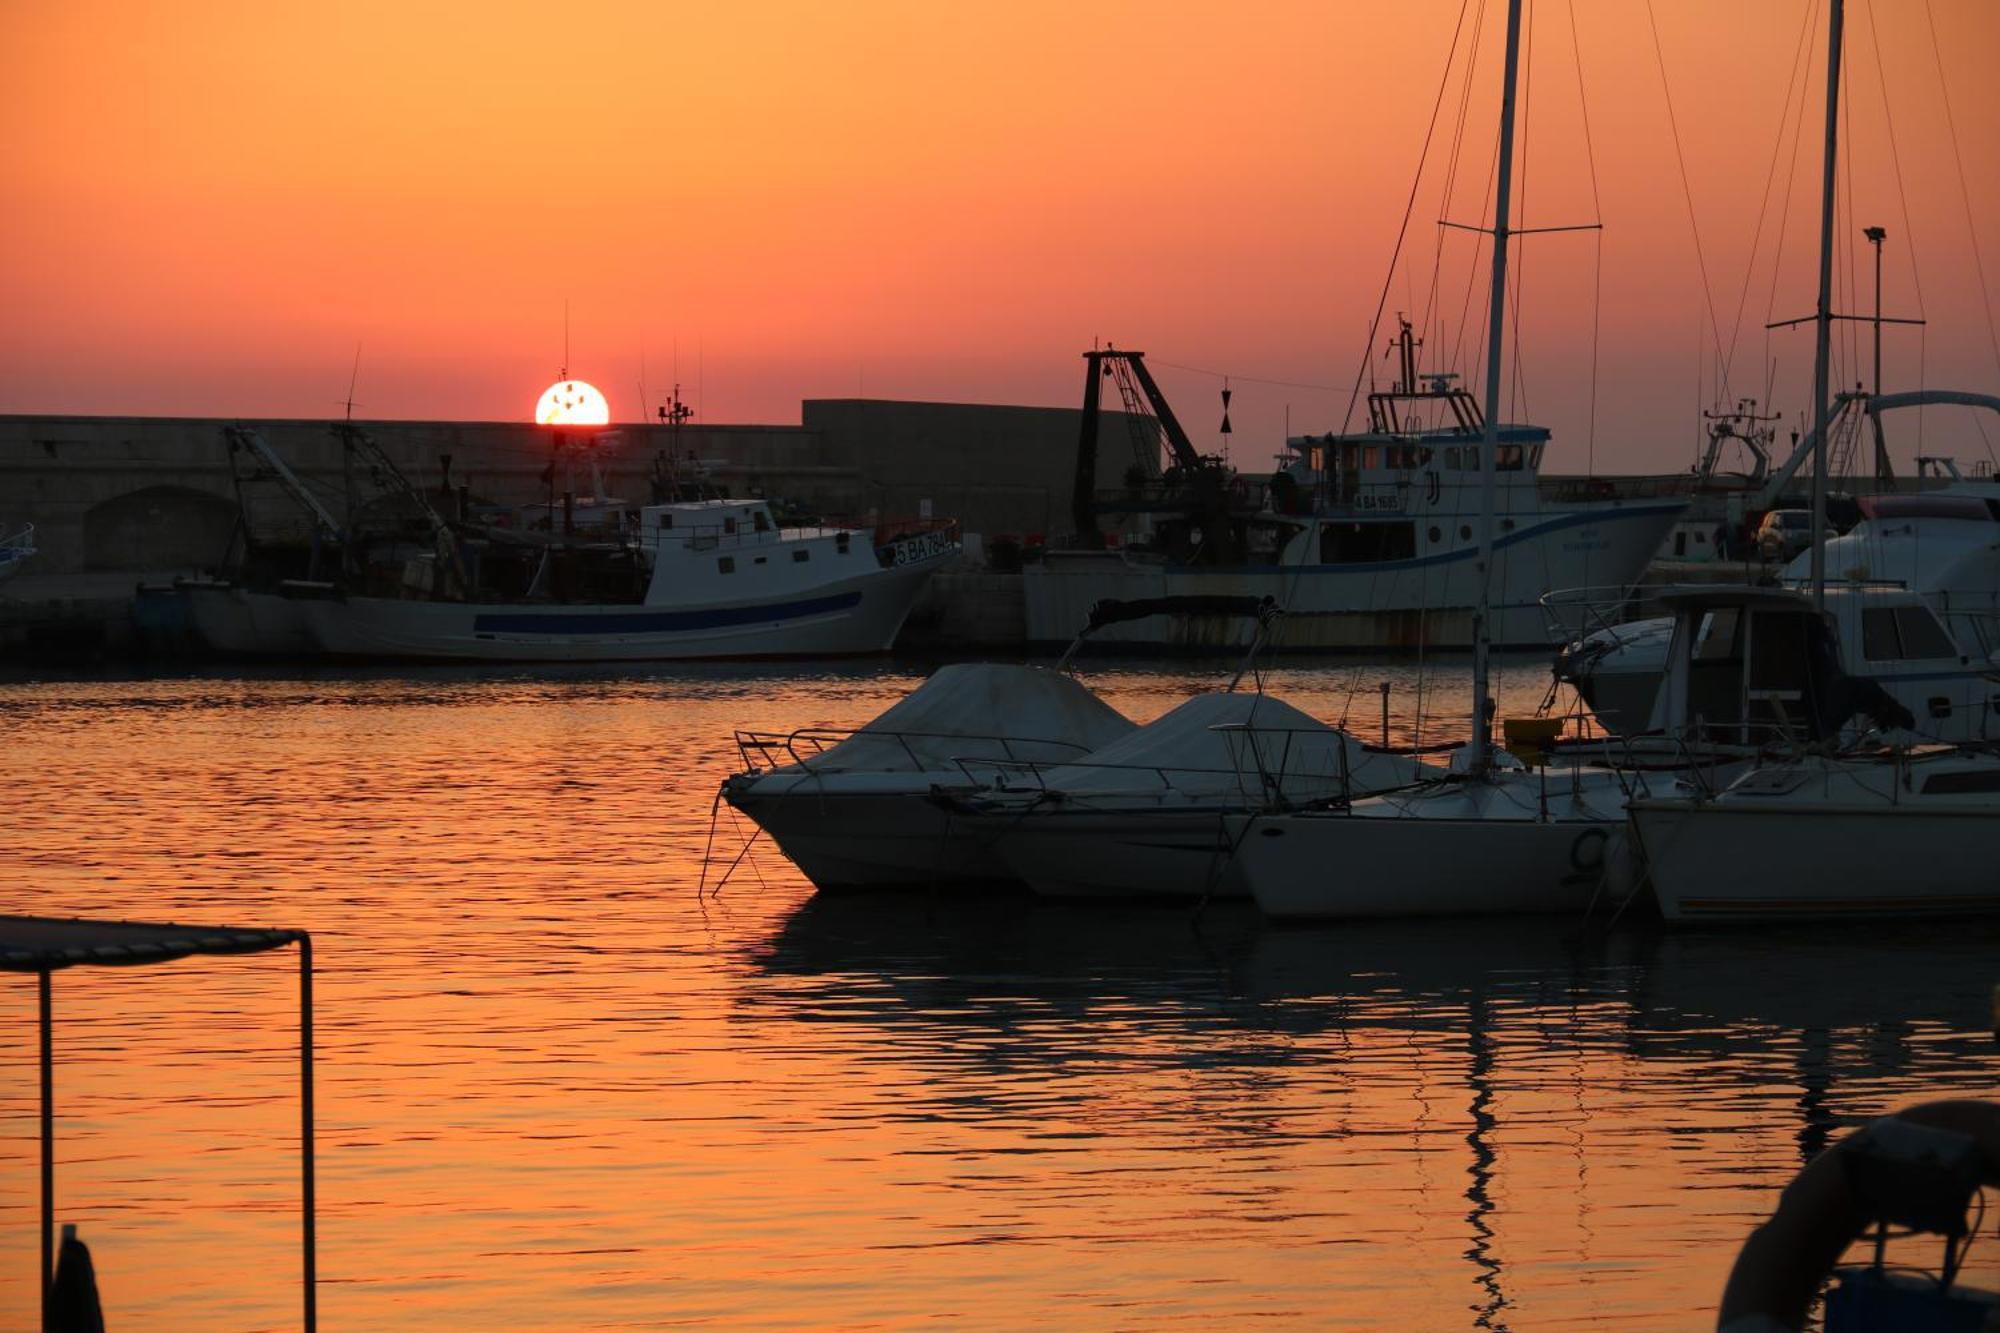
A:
(1465, 532)
(1436, 534)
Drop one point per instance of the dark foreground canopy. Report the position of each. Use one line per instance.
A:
(43, 943)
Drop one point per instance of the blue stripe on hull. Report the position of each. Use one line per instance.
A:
(658, 622)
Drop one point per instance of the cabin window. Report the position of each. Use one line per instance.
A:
(726, 564)
(1370, 457)
(1361, 543)
(1901, 633)
(1948, 784)
(1717, 639)
(1451, 463)
(801, 555)
(841, 542)
(1508, 458)
(763, 521)
(666, 520)
(1535, 457)
(1922, 635)
(729, 524)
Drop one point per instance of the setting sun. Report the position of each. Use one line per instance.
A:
(572, 403)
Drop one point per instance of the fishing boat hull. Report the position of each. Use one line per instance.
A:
(1426, 601)
(1717, 862)
(853, 617)
(231, 621)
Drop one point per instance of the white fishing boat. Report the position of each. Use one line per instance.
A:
(1892, 834)
(855, 809)
(1374, 540)
(233, 620)
(1147, 815)
(700, 579)
(16, 549)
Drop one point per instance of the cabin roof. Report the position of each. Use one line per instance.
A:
(45, 943)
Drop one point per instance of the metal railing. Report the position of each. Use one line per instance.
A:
(760, 751)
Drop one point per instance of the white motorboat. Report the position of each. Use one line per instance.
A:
(15, 551)
(1147, 815)
(854, 810)
(1892, 834)
(701, 579)
(1914, 594)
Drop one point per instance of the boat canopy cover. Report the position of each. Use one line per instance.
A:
(43, 944)
(1235, 745)
(980, 710)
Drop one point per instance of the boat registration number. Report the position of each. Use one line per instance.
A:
(925, 546)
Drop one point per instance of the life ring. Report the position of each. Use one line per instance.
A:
(1590, 837)
(1781, 1266)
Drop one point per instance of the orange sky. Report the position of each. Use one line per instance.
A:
(210, 205)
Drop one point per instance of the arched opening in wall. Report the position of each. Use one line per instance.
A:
(158, 528)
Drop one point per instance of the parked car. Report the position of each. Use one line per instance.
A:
(1784, 533)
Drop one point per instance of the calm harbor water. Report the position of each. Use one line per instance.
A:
(558, 1090)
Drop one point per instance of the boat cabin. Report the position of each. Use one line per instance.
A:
(1748, 665)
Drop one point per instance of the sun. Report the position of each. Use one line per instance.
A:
(572, 403)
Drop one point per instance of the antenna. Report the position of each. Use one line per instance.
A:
(565, 365)
(352, 377)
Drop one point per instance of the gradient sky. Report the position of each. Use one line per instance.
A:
(209, 206)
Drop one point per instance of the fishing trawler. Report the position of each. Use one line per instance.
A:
(1369, 540)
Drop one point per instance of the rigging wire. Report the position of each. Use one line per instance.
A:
(1903, 200)
(1785, 214)
(1687, 194)
(1958, 160)
(1597, 269)
(1770, 177)
(1409, 209)
(1433, 306)
(1233, 376)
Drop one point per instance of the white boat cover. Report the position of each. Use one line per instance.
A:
(1234, 746)
(979, 710)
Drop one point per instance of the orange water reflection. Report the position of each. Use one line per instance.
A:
(557, 1091)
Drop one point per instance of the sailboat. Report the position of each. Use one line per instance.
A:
(1494, 836)
(1893, 832)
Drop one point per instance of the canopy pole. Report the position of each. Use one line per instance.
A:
(305, 1126)
(48, 1147)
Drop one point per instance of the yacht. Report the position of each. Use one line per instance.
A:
(1913, 590)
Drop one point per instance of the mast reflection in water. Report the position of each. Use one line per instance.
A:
(556, 1089)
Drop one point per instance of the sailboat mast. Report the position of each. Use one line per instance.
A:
(1482, 615)
(1823, 324)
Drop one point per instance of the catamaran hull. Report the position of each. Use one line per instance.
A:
(1712, 862)
(1149, 853)
(1422, 602)
(1356, 867)
(870, 840)
(856, 616)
